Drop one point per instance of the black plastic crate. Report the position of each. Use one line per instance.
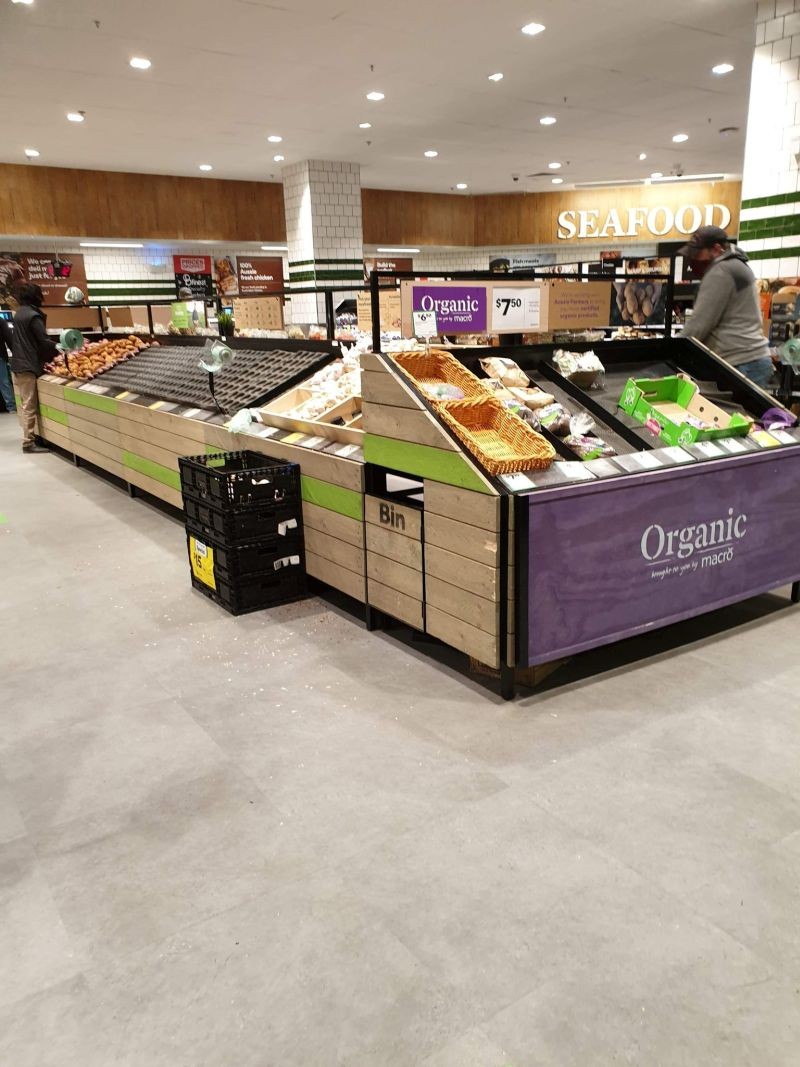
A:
(239, 479)
(253, 557)
(258, 591)
(233, 526)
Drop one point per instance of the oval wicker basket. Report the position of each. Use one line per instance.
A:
(436, 367)
(499, 439)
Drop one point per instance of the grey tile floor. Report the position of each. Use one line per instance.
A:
(281, 841)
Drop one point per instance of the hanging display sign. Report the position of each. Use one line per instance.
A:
(193, 278)
(258, 275)
(515, 309)
(54, 272)
(673, 546)
(258, 313)
(225, 277)
(458, 308)
(386, 263)
(389, 307)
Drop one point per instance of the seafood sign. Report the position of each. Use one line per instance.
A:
(616, 558)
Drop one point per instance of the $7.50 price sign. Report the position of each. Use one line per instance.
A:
(515, 310)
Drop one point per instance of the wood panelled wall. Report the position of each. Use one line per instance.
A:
(60, 202)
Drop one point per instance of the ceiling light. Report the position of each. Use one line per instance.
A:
(642, 156)
(679, 138)
(548, 120)
(274, 138)
(31, 153)
(278, 159)
(365, 125)
(410, 251)
(375, 95)
(656, 174)
(722, 68)
(558, 181)
(140, 63)
(206, 166)
(431, 153)
(461, 185)
(109, 244)
(27, 2)
(554, 166)
(76, 116)
(532, 28)
(498, 77)
(274, 248)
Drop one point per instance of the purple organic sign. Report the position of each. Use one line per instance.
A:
(458, 308)
(615, 558)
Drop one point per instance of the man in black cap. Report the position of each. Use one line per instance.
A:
(727, 315)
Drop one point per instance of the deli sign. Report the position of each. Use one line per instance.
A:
(639, 221)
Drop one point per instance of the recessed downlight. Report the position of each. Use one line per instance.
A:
(642, 156)
(679, 138)
(498, 77)
(375, 95)
(554, 165)
(274, 138)
(461, 185)
(206, 166)
(548, 120)
(76, 116)
(531, 29)
(140, 63)
(32, 153)
(431, 153)
(399, 251)
(274, 248)
(557, 181)
(656, 174)
(722, 68)
(278, 159)
(365, 125)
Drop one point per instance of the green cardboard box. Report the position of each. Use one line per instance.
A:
(666, 406)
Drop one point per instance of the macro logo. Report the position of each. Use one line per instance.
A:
(713, 541)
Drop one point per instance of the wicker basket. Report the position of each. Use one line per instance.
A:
(437, 368)
(501, 440)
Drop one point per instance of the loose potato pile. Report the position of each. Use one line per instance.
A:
(95, 357)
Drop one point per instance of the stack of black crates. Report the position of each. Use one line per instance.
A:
(244, 529)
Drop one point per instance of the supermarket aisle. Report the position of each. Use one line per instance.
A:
(282, 840)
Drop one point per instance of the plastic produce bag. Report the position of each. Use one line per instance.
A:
(506, 371)
(582, 368)
(588, 447)
(581, 424)
(554, 418)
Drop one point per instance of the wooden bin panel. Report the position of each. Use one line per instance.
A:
(394, 546)
(470, 541)
(463, 505)
(462, 572)
(331, 548)
(406, 424)
(398, 605)
(399, 518)
(331, 522)
(394, 575)
(384, 388)
(461, 604)
(339, 577)
(463, 636)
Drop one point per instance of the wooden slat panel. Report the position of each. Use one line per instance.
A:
(461, 604)
(339, 577)
(97, 458)
(52, 395)
(394, 603)
(395, 575)
(462, 572)
(393, 217)
(345, 472)
(372, 361)
(102, 448)
(164, 420)
(461, 635)
(91, 429)
(339, 552)
(79, 412)
(146, 450)
(55, 432)
(394, 546)
(224, 440)
(170, 442)
(471, 541)
(384, 388)
(153, 487)
(401, 518)
(476, 509)
(406, 424)
(331, 522)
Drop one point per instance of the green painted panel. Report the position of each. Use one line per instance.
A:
(152, 470)
(332, 497)
(54, 414)
(91, 400)
(424, 461)
(3, 519)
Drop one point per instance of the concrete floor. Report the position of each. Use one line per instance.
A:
(281, 841)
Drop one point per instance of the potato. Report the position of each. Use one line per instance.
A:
(638, 318)
(626, 315)
(632, 302)
(647, 308)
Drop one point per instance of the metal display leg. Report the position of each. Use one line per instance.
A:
(131, 490)
(796, 593)
(508, 688)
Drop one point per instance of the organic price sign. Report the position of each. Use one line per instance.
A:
(425, 324)
(516, 310)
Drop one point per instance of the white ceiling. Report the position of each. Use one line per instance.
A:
(621, 77)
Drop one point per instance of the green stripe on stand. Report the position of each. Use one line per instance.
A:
(54, 414)
(152, 470)
(333, 497)
(91, 400)
(426, 462)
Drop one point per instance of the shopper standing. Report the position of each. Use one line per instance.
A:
(31, 348)
(727, 315)
(6, 388)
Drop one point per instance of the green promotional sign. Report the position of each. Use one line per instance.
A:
(181, 316)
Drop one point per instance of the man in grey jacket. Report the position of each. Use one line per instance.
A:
(727, 316)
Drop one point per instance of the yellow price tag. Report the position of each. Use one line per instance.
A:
(202, 559)
(158, 404)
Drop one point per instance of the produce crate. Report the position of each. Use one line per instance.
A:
(673, 409)
(239, 479)
(251, 557)
(257, 592)
(235, 525)
(222, 574)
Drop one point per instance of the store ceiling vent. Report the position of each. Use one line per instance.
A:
(672, 178)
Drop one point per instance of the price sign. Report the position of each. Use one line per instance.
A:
(425, 324)
(515, 310)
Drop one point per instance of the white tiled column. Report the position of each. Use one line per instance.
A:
(322, 201)
(770, 218)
